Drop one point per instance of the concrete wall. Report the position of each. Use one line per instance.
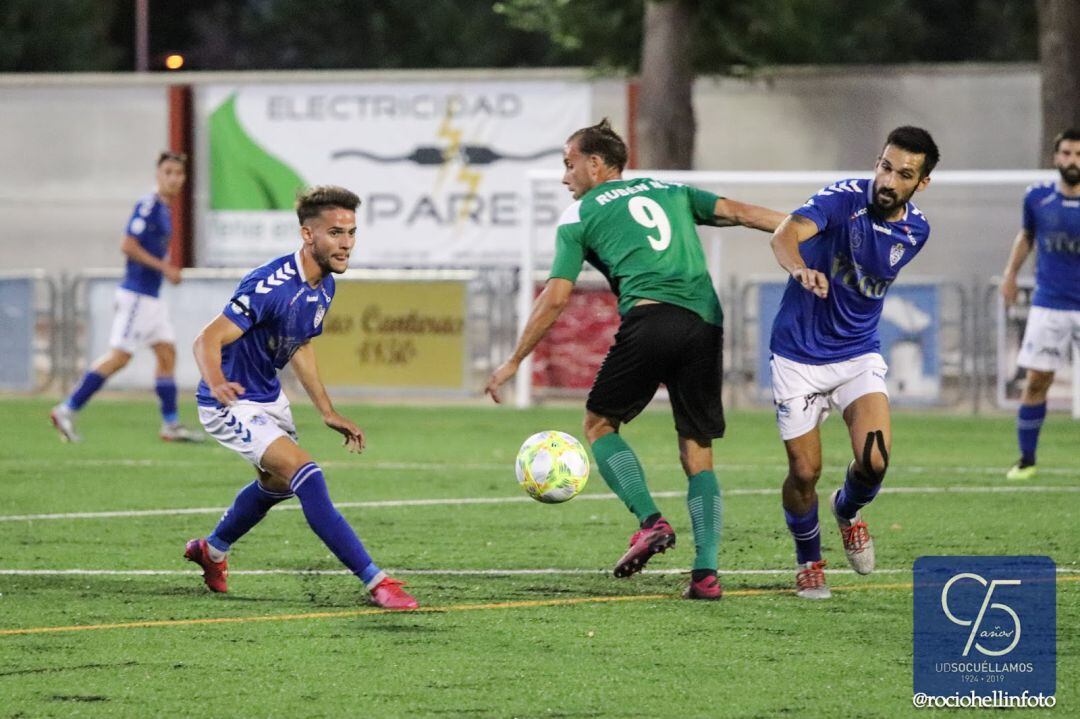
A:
(78, 150)
(75, 155)
(982, 116)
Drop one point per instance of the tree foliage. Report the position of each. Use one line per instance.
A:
(730, 34)
(72, 36)
(377, 34)
(66, 35)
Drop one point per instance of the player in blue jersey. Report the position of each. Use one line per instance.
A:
(1052, 225)
(843, 249)
(274, 313)
(141, 317)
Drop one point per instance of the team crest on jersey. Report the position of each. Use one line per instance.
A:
(319, 312)
(895, 254)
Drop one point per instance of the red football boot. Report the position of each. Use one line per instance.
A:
(705, 588)
(215, 574)
(643, 544)
(388, 594)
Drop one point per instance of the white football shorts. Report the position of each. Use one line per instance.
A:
(1047, 338)
(140, 320)
(804, 393)
(248, 428)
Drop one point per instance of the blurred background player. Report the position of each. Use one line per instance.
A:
(142, 318)
(843, 249)
(1052, 224)
(640, 234)
(269, 322)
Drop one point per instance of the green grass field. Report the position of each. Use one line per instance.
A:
(294, 637)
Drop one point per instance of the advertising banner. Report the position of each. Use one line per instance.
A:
(571, 353)
(17, 329)
(395, 334)
(439, 166)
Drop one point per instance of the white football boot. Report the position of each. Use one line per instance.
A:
(63, 418)
(810, 581)
(176, 432)
(858, 544)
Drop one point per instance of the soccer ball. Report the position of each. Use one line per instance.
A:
(552, 467)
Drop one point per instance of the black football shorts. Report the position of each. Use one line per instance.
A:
(662, 343)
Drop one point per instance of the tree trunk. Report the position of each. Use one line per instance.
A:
(665, 123)
(1059, 58)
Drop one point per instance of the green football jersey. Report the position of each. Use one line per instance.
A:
(641, 235)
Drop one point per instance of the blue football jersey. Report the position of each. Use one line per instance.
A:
(1054, 222)
(151, 225)
(279, 312)
(861, 255)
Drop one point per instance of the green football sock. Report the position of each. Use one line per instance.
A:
(703, 500)
(620, 468)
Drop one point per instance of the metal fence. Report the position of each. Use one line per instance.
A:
(948, 344)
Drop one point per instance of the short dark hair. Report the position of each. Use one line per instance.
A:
(167, 155)
(602, 140)
(916, 140)
(314, 200)
(1072, 134)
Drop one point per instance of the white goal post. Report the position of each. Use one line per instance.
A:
(972, 229)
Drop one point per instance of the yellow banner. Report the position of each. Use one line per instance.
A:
(394, 334)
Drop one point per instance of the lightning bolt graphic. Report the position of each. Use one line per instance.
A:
(471, 178)
(453, 149)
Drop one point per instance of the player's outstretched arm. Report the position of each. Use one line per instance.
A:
(131, 247)
(785, 245)
(547, 308)
(1021, 248)
(306, 369)
(732, 212)
(207, 348)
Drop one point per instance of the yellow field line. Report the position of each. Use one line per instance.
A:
(336, 615)
(524, 604)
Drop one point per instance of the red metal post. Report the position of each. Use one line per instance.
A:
(181, 132)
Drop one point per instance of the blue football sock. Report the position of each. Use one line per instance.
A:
(806, 532)
(88, 385)
(166, 392)
(855, 494)
(1029, 421)
(310, 487)
(250, 506)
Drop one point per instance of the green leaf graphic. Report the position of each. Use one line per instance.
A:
(244, 176)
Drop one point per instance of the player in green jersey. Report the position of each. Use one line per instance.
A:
(641, 235)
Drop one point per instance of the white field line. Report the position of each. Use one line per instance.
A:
(458, 501)
(507, 467)
(551, 571)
